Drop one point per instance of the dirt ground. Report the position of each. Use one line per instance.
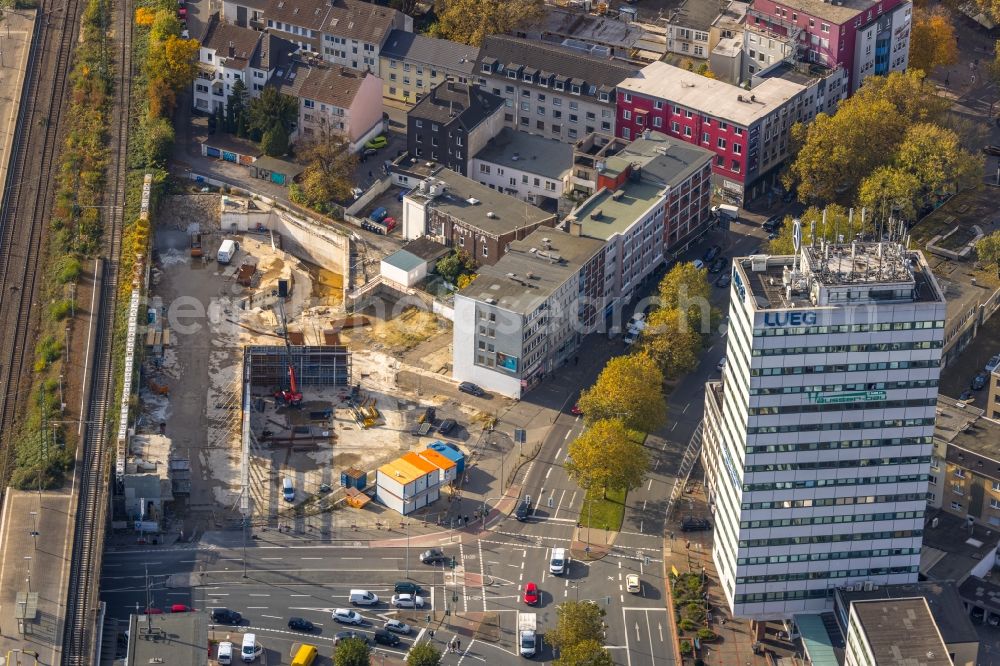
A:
(211, 318)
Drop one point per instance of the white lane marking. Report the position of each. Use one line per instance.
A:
(559, 505)
(549, 471)
(649, 486)
(267, 595)
(628, 652)
(257, 607)
(671, 430)
(272, 558)
(482, 573)
(352, 558)
(312, 558)
(273, 617)
(568, 433)
(684, 411)
(300, 595)
(556, 457)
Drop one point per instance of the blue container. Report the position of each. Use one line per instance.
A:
(451, 453)
(354, 478)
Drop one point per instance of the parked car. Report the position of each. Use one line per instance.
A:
(368, 152)
(182, 12)
(720, 366)
(379, 214)
(398, 626)
(180, 608)
(185, 34)
(773, 223)
(632, 584)
(772, 235)
(691, 524)
(979, 381)
(347, 635)
(407, 601)
(524, 509)
(531, 594)
(723, 280)
(300, 624)
(575, 410)
(631, 337)
(992, 364)
(378, 142)
(383, 637)
(433, 556)
(152, 611)
(226, 616)
(718, 265)
(471, 389)
(712, 253)
(447, 426)
(698, 264)
(347, 616)
(992, 149)
(406, 587)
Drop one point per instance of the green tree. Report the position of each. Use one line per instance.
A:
(686, 289)
(670, 340)
(423, 654)
(270, 109)
(889, 192)
(932, 40)
(352, 652)
(988, 251)
(629, 388)
(158, 140)
(455, 265)
(329, 171)
(471, 21)
(577, 622)
(236, 108)
(274, 142)
(836, 221)
(604, 457)
(585, 653)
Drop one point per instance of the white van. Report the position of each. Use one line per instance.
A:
(250, 650)
(363, 598)
(558, 562)
(288, 490)
(726, 211)
(225, 654)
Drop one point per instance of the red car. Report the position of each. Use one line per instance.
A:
(531, 594)
(182, 12)
(180, 608)
(575, 410)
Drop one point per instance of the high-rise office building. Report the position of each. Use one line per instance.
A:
(818, 439)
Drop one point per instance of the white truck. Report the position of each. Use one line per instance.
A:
(727, 211)
(227, 251)
(527, 636)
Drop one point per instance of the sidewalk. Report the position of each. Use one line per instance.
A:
(691, 552)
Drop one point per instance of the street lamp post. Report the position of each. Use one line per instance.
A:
(34, 530)
(28, 557)
(484, 509)
(244, 546)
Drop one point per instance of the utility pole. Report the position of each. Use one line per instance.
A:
(34, 530)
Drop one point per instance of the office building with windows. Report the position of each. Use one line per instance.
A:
(818, 439)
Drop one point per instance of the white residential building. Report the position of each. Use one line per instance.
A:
(818, 440)
(527, 166)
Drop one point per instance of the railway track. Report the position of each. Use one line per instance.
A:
(81, 627)
(27, 205)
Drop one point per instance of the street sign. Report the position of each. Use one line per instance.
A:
(520, 436)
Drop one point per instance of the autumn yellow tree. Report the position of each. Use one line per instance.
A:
(471, 21)
(932, 41)
(670, 340)
(329, 168)
(935, 157)
(838, 152)
(630, 389)
(991, 8)
(825, 223)
(605, 457)
(889, 192)
(686, 288)
(144, 17)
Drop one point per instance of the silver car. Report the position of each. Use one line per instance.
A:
(407, 601)
(397, 626)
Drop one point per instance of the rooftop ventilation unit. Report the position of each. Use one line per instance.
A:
(618, 195)
(472, 201)
(597, 214)
(491, 215)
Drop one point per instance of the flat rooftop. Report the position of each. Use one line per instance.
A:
(532, 270)
(711, 97)
(872, 265)
(490, 211)
(169, 638)
(661, 157)
(942, 598)
(586, 27)
(951, 548)
(842, 12)
(619, 214)
(535, 154)
(901, 632)
(986, 593)
(965, 426)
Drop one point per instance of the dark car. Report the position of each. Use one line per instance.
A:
(691, 524)
(347, 635)
(773, 223)
(723, 280)
(383, 637)
(524, 509)
(429, 416)
(300, 624)
(718, 265)
(226, 616)
(992, 150)
(446, 426)
(471, 389)
(433, 556)
(712, 253)
(979, 381)
(406, 587)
